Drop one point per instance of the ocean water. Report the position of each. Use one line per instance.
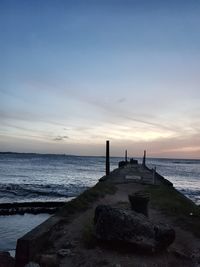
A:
(15, 226)
(34, 177)
(31, 177)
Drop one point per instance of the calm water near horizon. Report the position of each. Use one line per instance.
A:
(34, 177)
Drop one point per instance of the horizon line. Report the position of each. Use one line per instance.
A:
(74, 155)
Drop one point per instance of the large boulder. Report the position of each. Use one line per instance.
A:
(131, 229)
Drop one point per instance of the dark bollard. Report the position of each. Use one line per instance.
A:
(139, 202)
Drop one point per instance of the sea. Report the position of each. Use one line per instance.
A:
(49, 177)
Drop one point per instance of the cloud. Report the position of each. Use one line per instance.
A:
(61, 138)
(182, 146)
(117, 112)
(179, 147)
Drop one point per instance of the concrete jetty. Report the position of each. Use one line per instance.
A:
(64, 238)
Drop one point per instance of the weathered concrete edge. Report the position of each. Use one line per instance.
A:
(160, 177)
(34, 241)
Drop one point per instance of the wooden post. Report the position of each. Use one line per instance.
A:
(126, 155)
(107, 157)
(144, 159)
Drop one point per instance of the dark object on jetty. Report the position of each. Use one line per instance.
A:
(133, 161)
(122, 164)
(131, 230)
(107, 157)
(139, 202)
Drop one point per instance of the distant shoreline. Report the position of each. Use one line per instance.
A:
(100, 156)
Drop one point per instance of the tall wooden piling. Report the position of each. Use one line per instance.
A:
(126, 156)
(107, 157)
(144, 159)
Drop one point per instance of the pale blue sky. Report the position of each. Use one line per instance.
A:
(75, 73)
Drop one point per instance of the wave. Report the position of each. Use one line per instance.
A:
(193, 194)
(186, 162)
(34, 191)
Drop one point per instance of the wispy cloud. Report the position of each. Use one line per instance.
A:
(117, 112)
(61, 138)
(26, 116)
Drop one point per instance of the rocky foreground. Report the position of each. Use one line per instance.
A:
(130, 218)
(118, 226)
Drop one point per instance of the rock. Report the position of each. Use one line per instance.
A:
(69, 245)
(65, 253)
(129, 228)
(6, 260)
(164, 235)
(32, 264)
(49, 260)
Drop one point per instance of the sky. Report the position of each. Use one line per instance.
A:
(74, 74)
